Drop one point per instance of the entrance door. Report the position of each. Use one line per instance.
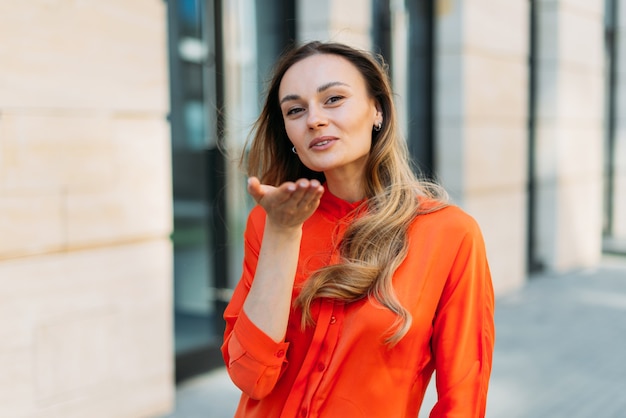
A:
(209, 62)
(199, 238)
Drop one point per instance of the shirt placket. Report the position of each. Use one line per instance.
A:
(303, 400)
(318, 392)
(299, 402)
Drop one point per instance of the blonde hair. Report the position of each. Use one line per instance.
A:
(375, 243)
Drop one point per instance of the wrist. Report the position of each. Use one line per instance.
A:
(283, 230)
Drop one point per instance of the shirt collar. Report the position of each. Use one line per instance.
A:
(336, 207)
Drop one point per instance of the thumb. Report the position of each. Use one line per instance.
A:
(254, 189)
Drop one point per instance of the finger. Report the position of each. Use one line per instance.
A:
(316, 188)
(311, 190)
(272, 198)
(287, 188)
(283, 194)
(254, 189)
(288, 194)
(313, 198)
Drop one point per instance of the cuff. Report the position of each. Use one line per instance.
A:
(258, 344)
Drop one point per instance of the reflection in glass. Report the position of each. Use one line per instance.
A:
(220, 53)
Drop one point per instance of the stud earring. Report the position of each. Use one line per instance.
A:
(293, 149)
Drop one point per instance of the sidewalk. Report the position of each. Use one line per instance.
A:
(560, 352)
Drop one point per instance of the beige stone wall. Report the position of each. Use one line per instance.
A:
(347, 21)
(570, 132)
(481, 117)
(85, 209)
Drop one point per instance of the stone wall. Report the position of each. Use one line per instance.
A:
(335, 20)
(570, 133)
(85, 210)
(481, 123)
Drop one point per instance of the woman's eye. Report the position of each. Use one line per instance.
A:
(294, 110)
(334, 99)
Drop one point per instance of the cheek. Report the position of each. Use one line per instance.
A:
(292, 131)
(365, 135)
(363, 124)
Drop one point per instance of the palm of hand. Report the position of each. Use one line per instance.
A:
(289, 204)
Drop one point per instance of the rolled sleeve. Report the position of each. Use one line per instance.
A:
(254, 361)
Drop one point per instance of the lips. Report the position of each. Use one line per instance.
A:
(322, 141)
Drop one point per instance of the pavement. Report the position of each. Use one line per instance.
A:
(560, 352)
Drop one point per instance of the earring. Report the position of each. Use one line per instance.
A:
(293, 149)
(378, 127)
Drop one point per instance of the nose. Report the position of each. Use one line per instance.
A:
(316, 117)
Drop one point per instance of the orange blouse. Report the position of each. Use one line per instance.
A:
(340, 367)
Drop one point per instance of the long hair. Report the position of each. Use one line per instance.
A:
(376, 242)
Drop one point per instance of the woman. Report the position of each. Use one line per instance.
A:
(358, 280)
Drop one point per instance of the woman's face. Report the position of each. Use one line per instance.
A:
(329, 115)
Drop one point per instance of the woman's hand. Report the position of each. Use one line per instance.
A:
(289, 204)
(287, 207)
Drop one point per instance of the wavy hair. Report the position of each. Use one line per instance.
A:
(376, 242)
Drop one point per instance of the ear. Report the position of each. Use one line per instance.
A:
(379, 108)
(379, 112)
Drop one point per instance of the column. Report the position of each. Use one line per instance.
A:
(569, 133)
(481, 117)
(346, 21)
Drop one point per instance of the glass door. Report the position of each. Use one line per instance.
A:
(611, 65)
(219, 56)
(199, 221)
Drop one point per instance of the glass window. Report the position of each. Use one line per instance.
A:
(420, 94)
(218, 54)
(403, 32)
(612, 243)
(610, 47)
(190, 125)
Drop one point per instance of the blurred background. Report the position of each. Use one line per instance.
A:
(122, 207)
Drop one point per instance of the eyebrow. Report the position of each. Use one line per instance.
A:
(320, 89)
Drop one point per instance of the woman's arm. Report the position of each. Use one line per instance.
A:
(287, 207)
(463, 335)
(256, 317)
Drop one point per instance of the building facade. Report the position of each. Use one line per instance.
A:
(85, 210)
(122, 207)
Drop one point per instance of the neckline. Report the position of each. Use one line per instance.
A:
(337, 207)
